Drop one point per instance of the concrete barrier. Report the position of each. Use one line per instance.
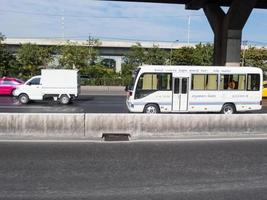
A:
(42, 125)
(139, 126)
(175, 125)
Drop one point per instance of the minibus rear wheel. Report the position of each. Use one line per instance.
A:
(151, 108)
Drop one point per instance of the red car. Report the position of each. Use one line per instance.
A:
(8, 84)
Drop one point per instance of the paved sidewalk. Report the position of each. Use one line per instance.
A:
(103, 90)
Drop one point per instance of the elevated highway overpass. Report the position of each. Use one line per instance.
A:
(110, 49)
(227, 26)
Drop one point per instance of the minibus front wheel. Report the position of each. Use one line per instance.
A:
(228, 108)
(151, 108)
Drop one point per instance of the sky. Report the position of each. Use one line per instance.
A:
(77, 19)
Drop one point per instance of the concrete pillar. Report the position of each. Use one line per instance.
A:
(118, 60)
(227, 28)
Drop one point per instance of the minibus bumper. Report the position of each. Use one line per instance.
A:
(130, 106)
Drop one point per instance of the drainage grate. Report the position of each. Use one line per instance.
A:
(116, 136)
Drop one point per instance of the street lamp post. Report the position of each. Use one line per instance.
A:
(171, 50)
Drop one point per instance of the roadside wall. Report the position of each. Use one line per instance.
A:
(41, 125)
(92, 126)
(175, 125)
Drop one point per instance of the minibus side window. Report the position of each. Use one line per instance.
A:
(149, 83)
(204, 82)
(253, 83)
(233, 82)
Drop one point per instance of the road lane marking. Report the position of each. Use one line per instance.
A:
(131, 141)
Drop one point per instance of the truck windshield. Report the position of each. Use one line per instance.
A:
(35, 81)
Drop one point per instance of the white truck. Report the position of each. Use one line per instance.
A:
(60, 84)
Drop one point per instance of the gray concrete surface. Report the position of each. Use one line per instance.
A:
(139, 126)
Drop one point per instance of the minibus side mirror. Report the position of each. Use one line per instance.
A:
(126, 88)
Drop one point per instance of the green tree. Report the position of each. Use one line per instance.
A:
(203, 54)
(156, 56)
(7, 60)
(100, 75)
(74, 55)
(92, 52)
(183, 56)
(32, 58)
(256, 57)
(134, 58)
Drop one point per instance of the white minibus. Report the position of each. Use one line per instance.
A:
(195, 89)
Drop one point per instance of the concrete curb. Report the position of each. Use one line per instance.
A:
(92, 126)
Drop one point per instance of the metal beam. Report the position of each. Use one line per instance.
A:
(154, 1)
(194, 4)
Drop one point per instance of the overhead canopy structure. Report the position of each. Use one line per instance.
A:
(227, 27)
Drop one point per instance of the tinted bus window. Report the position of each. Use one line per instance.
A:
(204, 82)
(184, 86)
(233, 82)
(253, 83)
(149, 83)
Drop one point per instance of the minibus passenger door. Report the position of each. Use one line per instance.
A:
(184, 94)
(176, 95)
(180, 94)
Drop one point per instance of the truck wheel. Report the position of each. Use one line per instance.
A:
(64, 99)
(24, 98)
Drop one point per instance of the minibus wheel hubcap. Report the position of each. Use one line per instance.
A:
(228, 110)
(151, 109)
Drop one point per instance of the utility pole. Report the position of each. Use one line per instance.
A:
(2, 37)
(188, 29)
(90, 48)
(63, 24)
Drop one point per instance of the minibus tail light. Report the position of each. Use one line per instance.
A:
(129, 93)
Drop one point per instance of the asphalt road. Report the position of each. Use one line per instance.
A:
(188, 170)
(84, 104)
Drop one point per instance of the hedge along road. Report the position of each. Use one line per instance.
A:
(84, 104)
